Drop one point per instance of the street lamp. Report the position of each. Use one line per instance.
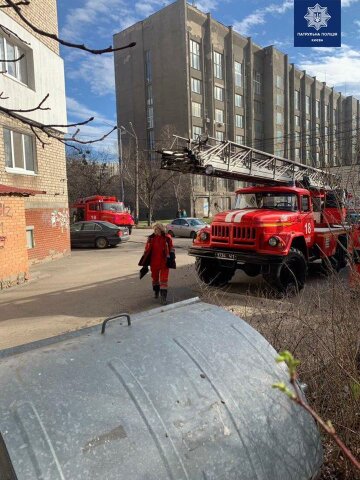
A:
(136, 182)
(121, 166)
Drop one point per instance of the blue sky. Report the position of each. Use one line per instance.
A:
(90, 79)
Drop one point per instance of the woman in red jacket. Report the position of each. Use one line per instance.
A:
(160, 255)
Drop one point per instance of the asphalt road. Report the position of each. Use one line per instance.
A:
(86, 287)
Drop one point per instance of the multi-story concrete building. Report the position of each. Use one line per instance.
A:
(195, 74)
(33, 188)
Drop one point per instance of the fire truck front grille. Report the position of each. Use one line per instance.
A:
(231, 235)
(220, 233)
(244, 235)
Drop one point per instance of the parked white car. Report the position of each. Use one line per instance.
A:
(185, 227)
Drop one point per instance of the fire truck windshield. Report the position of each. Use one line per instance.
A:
(112, 207)
(267, 200)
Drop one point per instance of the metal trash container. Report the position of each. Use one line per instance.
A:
(183, 393)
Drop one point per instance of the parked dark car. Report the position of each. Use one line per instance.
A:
(97, 234)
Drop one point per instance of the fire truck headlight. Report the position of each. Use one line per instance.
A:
(273, 241)
(204, 236)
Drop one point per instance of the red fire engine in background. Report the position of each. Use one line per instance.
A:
(293, 216)
(98, 207)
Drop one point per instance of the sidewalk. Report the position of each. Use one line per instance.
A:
(84, 288)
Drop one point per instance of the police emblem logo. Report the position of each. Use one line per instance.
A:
(317, 17)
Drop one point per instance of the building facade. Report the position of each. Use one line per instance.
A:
(195, 74)
(32, 176)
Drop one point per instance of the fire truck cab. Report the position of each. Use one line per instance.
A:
(104, 208)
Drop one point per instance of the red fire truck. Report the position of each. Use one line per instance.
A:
(293, 215)
(98, 207)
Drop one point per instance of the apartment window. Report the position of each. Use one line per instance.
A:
(307, 124)
(239, 139)
(195, 54)
(297, 121)
(297, 137)
(8, 52)
(307, 104)
(30, 240)
(279, 81)
(258, 107)
(218, 65)
(195, 85)
(219, 115)
(334, 115)
(279, 118)
(196, 131)
(150, 117)
(239, 121)
(238, 74)
(279, 136)
(297, 153)
(317, 108)
(257, 82)
(19, 151)
(196, 109)
(219, 136)
(297, 100)
(148, 69)
(239, 100)
(279, 99)
(219, 93)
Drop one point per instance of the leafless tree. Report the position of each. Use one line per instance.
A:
(89, 174)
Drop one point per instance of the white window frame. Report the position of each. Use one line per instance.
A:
(196, 131)
(239, 100)
(196, 109)
(238, 74)
(18, 52)
(219, 135)
(195, 54)
(219, 115)
(219, 93)
(24, 170)
(195, 82)
(218, 65)
(297, 99)
(239, 121)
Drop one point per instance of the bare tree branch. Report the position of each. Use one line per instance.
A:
(10, 33)
(39, 107)
(2, 96)
(23, 2)
(53, 36)
(2, 60)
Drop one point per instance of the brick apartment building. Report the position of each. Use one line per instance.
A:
(193, 73)
(34, 215)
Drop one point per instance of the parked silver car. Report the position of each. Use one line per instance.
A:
(185, 227)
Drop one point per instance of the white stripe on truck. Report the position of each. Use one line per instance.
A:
(239, 215)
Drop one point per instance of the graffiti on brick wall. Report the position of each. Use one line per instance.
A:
(2, 236)
(5, 210)
(60, 219)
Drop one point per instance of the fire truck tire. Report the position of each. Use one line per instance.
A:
(101, 242)
(212, 274)
(251, 270)
(290, 275)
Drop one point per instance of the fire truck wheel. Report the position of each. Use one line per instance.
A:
(290, 275)
(101, 242)
(251, 270)
(212, 274)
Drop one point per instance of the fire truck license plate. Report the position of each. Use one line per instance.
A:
(225, 255)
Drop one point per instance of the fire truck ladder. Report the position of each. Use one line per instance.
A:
(231, 160)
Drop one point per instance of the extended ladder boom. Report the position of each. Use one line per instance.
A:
(237, 162)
